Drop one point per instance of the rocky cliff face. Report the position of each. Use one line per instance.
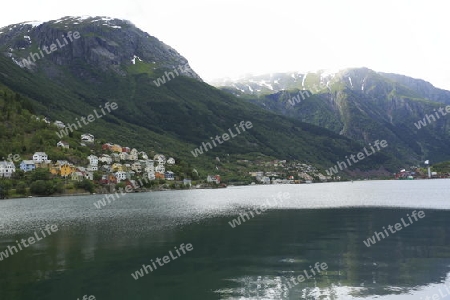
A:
(103, 43)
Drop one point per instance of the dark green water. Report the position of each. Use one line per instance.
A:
(95, 251)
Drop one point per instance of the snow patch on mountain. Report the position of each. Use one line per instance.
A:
(33, 23)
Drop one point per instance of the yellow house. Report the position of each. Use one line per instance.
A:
(116, 148)
(67, 170)
(117, 167)
(54, 170)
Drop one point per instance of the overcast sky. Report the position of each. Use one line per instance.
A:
(228, 38)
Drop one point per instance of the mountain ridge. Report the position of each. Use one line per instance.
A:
(358, 103)
(173, 118)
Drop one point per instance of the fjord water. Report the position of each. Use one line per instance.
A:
(95, 250)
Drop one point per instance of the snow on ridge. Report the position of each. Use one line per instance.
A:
(112, 26)
(351, 83)
(266, 84)
(33, 23)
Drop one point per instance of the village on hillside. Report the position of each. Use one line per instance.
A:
(114, 165)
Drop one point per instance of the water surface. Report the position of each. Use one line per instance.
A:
(96, 250)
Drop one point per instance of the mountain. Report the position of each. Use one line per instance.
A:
(75, 65)
(360, 104)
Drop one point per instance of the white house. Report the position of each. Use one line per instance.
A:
(105, 158)
(59, 124)
(213, 178)
(120, 176)
(40, 157)
(124, 156)
(92, 168)
(134, 155)
(115, 157)
(62, 144)
(143, 155)
(171, 161)
(87, 137)
(89, 175)
(7, 168)
(150, 162)
(136, 166)
(150, 173)
(160, 169)
(93, 160)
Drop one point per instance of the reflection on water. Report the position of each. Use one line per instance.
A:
(95, 251)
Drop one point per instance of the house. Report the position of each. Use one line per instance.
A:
(169, 175)
(116, 148)
(105, 158)
(93, 160)
(126, 149)
(187, 182)
(77, 176)
(87, 138)
(91, 168)
(116, 167)
(107, 146)
(62, 144)
(40, 157)
(120, 176)
(171, 161)
(149, 162)
(160, 169)
(7, 168)
(150, 174)
(124, 156)
(137, 167)
(213, 178)
(133, 154)
(159, 175)
(66, 169)
(149, 170)
(55, 169)
(88, 175)
(59, 124)
(27, 165)
(115, 157)
(143, 155)
(161, 159)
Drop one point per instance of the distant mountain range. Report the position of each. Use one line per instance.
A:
(360, 104)
(76, 64)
